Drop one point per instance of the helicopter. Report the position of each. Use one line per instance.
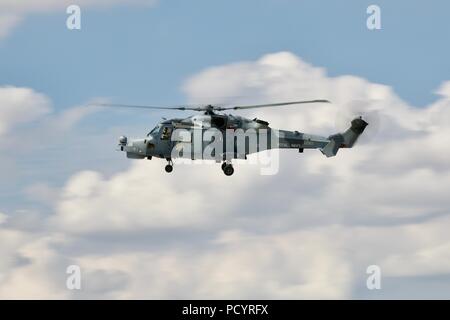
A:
(234, 137)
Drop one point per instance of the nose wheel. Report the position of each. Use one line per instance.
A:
(169, 166)
(227, 168)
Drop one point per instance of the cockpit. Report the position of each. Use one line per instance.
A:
(163, 129)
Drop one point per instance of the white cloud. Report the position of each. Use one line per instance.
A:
(141, 199)
(37, 270)
(3, 217)
(236, 265)
(7, 23)
(17, 10)
(20, 105)
(444, 90)
(308, 232)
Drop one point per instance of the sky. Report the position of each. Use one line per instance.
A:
(310, 231)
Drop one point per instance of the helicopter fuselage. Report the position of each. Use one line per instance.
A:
(234, 137)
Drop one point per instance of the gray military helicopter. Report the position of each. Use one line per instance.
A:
(166, 141)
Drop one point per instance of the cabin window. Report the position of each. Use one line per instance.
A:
(218, 121)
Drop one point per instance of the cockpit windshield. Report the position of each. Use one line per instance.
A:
(154, 130)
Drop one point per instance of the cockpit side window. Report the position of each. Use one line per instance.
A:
(166, 133)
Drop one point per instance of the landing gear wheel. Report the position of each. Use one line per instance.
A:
(169, 168)
(228, 170)
(224, 165)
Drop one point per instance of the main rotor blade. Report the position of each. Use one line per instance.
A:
(146, 107)
(208, 107)
(273, 104)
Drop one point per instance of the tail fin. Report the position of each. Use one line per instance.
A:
(346, 139)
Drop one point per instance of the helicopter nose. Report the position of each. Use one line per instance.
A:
(123, 140)
(135, 149)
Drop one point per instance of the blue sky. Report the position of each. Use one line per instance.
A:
(68, 197)
(143, 55)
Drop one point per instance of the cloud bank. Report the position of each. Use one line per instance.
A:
(308, 232)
